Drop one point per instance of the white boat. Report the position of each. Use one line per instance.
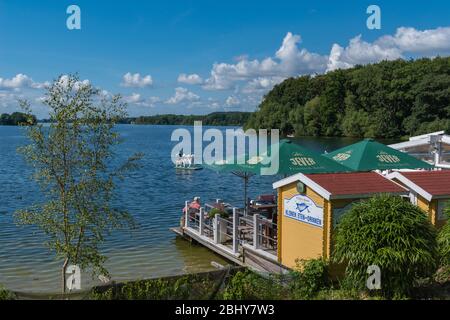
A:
(186, 162)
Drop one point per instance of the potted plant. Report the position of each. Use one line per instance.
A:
(216, 211)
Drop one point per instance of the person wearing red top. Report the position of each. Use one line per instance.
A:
(193, 205)
(193, 208)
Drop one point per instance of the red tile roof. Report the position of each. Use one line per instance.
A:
(363, 183)
(436, 183)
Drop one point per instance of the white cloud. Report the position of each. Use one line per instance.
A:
(182, 95)
(259, 76)
(288, 61)
(416, 41)
(8, 99)
(136, 80)
(21, 81)
(133, 98)
(232, 101)
(192, 79)
(248, 79)
(137, 99)
(405, 42)
(261, 84)
(360, 52)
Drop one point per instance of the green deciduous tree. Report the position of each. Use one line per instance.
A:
(383, 100)
(17, 118)
(391, 233)
(74, 163)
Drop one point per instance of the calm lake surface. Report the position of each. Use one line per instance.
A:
(154, 195)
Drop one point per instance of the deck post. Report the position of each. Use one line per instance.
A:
(201, 220)
(235, 231)
(255, 231)
(186, 214)
(216, 228)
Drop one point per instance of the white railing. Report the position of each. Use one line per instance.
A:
(265, 234)
(192, 220)
(258, 232)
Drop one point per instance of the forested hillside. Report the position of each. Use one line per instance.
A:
(385, 100)
(16, 118)
(212, 119)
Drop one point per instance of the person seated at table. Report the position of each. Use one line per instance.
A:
(195, 205)
(193, 209)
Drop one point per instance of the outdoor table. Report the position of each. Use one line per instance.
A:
(244, 231)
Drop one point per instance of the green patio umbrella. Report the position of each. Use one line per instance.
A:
(292, 157)
(369, 155)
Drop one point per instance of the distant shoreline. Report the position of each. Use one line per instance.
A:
(212, 119)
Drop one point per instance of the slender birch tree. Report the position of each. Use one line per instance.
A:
(75, 164)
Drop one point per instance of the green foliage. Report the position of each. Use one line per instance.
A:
(308, 278)
(215, 211)
(201, 286)
(385, 100)
(212, 119)
(6, 295)
(181, 288)
(339, 294)
(74, 163)
(391, 233)
(444, 242)
(16, 119)
(247, 285)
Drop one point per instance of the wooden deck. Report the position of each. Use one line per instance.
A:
(256, 259)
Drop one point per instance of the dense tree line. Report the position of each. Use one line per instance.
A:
(213, 119)
(384, 100)
(16, 118)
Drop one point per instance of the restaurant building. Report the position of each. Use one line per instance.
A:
(430, 190)
(310, 206)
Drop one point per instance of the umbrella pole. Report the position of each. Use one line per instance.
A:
(245, 193)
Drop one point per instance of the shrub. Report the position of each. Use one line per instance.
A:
(177, 288)
(247, 285)
(444, 243)
(308, 278)
(6, 295)
(391, 233)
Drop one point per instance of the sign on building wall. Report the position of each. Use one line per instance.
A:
(303, 209)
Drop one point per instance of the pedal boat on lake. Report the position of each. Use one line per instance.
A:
(186, 162)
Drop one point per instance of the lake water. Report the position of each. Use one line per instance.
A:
(154, 195)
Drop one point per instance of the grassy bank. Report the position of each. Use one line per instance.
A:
(246, 285)
(240, 284)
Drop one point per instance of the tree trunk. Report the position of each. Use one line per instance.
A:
(63, 275)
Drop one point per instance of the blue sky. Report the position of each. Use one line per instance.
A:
(231, 52)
